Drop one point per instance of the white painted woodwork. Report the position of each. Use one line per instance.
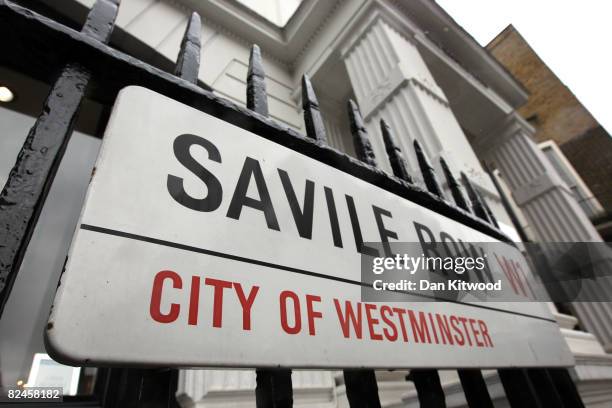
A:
(536, 187)
(391, 81)
(581, 192)
(548, 204)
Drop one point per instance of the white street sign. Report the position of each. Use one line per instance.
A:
(203, 244)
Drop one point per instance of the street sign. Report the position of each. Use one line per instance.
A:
(203, 244)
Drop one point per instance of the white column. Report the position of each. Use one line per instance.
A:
(391, 81)
(549, 206)
(538, 190)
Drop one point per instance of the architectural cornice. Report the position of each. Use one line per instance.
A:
(290, 42)
(501, 131)
(512, 124)
(283, 43)
(449, 36)
(373, 11)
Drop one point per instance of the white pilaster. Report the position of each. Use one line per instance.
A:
(549, 206)
(545, 199)
(391, 80)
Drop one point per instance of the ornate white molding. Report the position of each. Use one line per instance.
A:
(392, 84)
(391, 80)
(512, 125)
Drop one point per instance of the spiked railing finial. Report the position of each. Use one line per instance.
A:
(188, 61)
(257, 97)
(477, 206)
(429, 175)
(101, 20)
(454, 186)
(315, 129)
(363, 147)
(488, 210)
(396, 157)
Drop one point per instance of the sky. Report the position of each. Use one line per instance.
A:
(571, 37)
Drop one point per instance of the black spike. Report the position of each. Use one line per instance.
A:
(313, 120)
(396, 157)
(488, 210)
(507, 206)
(257, 97)
(454, 186)
(188, 61)
(429, 175)
(274, 388)
(361, 388)
(477, 206)
(475, 388)
(428, 386)
(101, 20)
(363, 147)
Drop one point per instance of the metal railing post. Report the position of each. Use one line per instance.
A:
(361, 388)
(519, 389)
(566, 387)
(475, 388)
(428, 387)
(30, 179)
(428, 172)
(545, 388)
(274, 387)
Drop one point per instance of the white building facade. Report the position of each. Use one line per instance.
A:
(406, 62)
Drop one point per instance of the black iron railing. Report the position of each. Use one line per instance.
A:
(80, 64)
